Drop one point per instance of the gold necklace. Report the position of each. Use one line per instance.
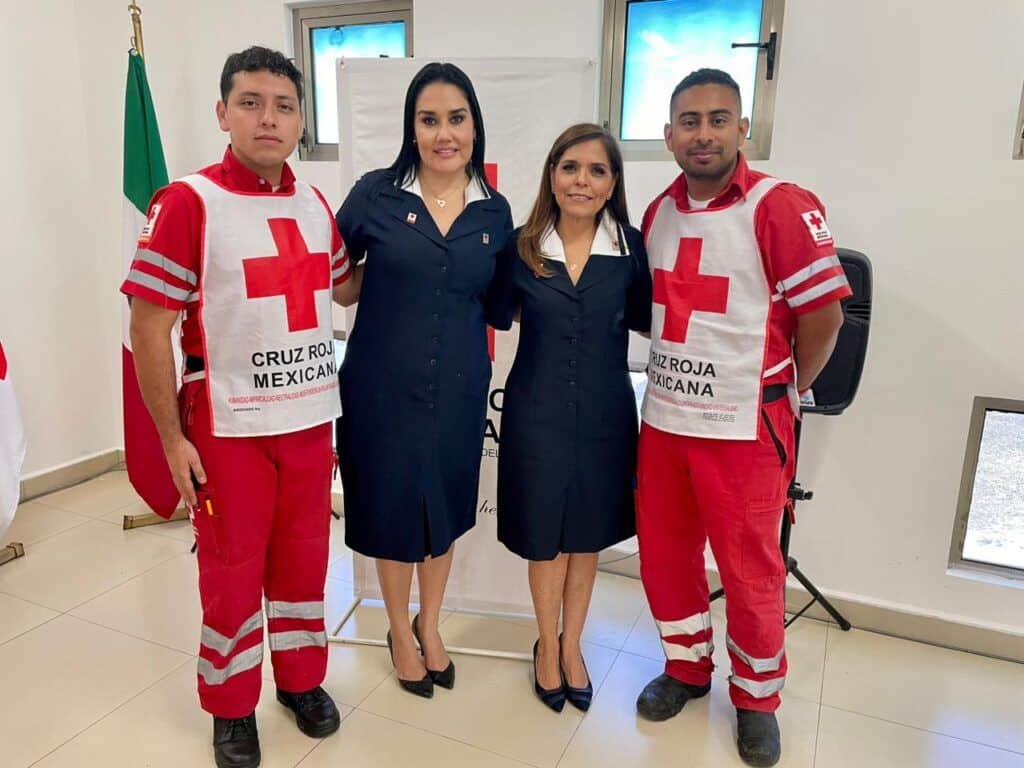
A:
(441, 202)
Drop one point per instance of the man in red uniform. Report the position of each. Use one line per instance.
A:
(745, 313)
(252, 257)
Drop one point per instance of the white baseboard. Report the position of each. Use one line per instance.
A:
(71, 473)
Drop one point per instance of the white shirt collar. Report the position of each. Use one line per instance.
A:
(608, 241)
(476, 190)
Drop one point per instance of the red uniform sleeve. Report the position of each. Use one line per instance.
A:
(165, 270)
(341, 267)
(799, 253)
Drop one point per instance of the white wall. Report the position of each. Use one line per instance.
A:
(906, 138)
(58, 318)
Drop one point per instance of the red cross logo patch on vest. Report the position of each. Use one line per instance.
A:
(294, 273)
(685, 290)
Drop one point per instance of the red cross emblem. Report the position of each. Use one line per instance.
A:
(816, 220)
(491, 171)
(685, 290)
(294, 273)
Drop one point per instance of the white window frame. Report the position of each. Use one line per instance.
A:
(305, 19)
(957, 563)
(757, 147)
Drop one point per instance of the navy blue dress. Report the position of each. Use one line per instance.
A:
(415, 377)
(569, 423)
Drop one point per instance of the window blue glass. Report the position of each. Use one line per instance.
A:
(331, 43)
(668, 39)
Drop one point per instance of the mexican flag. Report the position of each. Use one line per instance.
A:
(144, 173)
(12, 447)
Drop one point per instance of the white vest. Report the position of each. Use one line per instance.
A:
(265, 310)
(709, 325)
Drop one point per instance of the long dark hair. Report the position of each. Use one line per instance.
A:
(408, 161)
(545, 210)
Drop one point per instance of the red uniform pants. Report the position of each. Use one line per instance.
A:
(264, 532)
(731, 493)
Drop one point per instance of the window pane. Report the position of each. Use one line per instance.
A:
(668, 39)
(331, 43)
(995, 524)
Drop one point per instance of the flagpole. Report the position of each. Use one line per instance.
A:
(149, 518)
(136, 13)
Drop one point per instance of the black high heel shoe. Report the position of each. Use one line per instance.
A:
(445, 677)
(553, 698)
(424, 687)
(578, 697)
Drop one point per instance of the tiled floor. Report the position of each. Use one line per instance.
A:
(98, 628)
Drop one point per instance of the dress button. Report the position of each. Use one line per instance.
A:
(572, 382)
(444, 267)
(437, 291)
(573, 339)
(430, 386)
(572, 405)
(437, 316)
(430, 406)
(433, 362)
(572, 363)
(436, 340)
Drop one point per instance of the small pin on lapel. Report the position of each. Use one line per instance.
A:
(487, 238)
(411, 218)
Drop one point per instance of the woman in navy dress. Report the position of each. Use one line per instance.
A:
(576, 276)
(416, 372)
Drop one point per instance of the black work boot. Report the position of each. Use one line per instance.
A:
(315, 713)
(758, 737)
(236, 743)
(665, 696)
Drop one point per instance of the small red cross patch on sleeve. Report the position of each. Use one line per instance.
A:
(147, 231)
(819, 230)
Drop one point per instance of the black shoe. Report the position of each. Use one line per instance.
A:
(315, 713)
(553, 698)
(758, 737)
(236, 743)
(446, 677)
(665, 696)
(424, 687)
(578, 697)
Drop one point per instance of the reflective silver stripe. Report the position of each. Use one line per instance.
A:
(808, 272)
(695, 652)
(158, 285)
(168, 266)
(342, 270)
(186, 378)
(760, 666)
(247, 659)
(286, 641)
(192, 297)
(215, 641)
(279, 609)
(819, 290)
(759, 689)
(776, 368)
(691, 625)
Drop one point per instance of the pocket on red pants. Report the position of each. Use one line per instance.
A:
(761, 562)
(206, 524)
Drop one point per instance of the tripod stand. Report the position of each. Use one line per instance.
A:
(797, 493)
